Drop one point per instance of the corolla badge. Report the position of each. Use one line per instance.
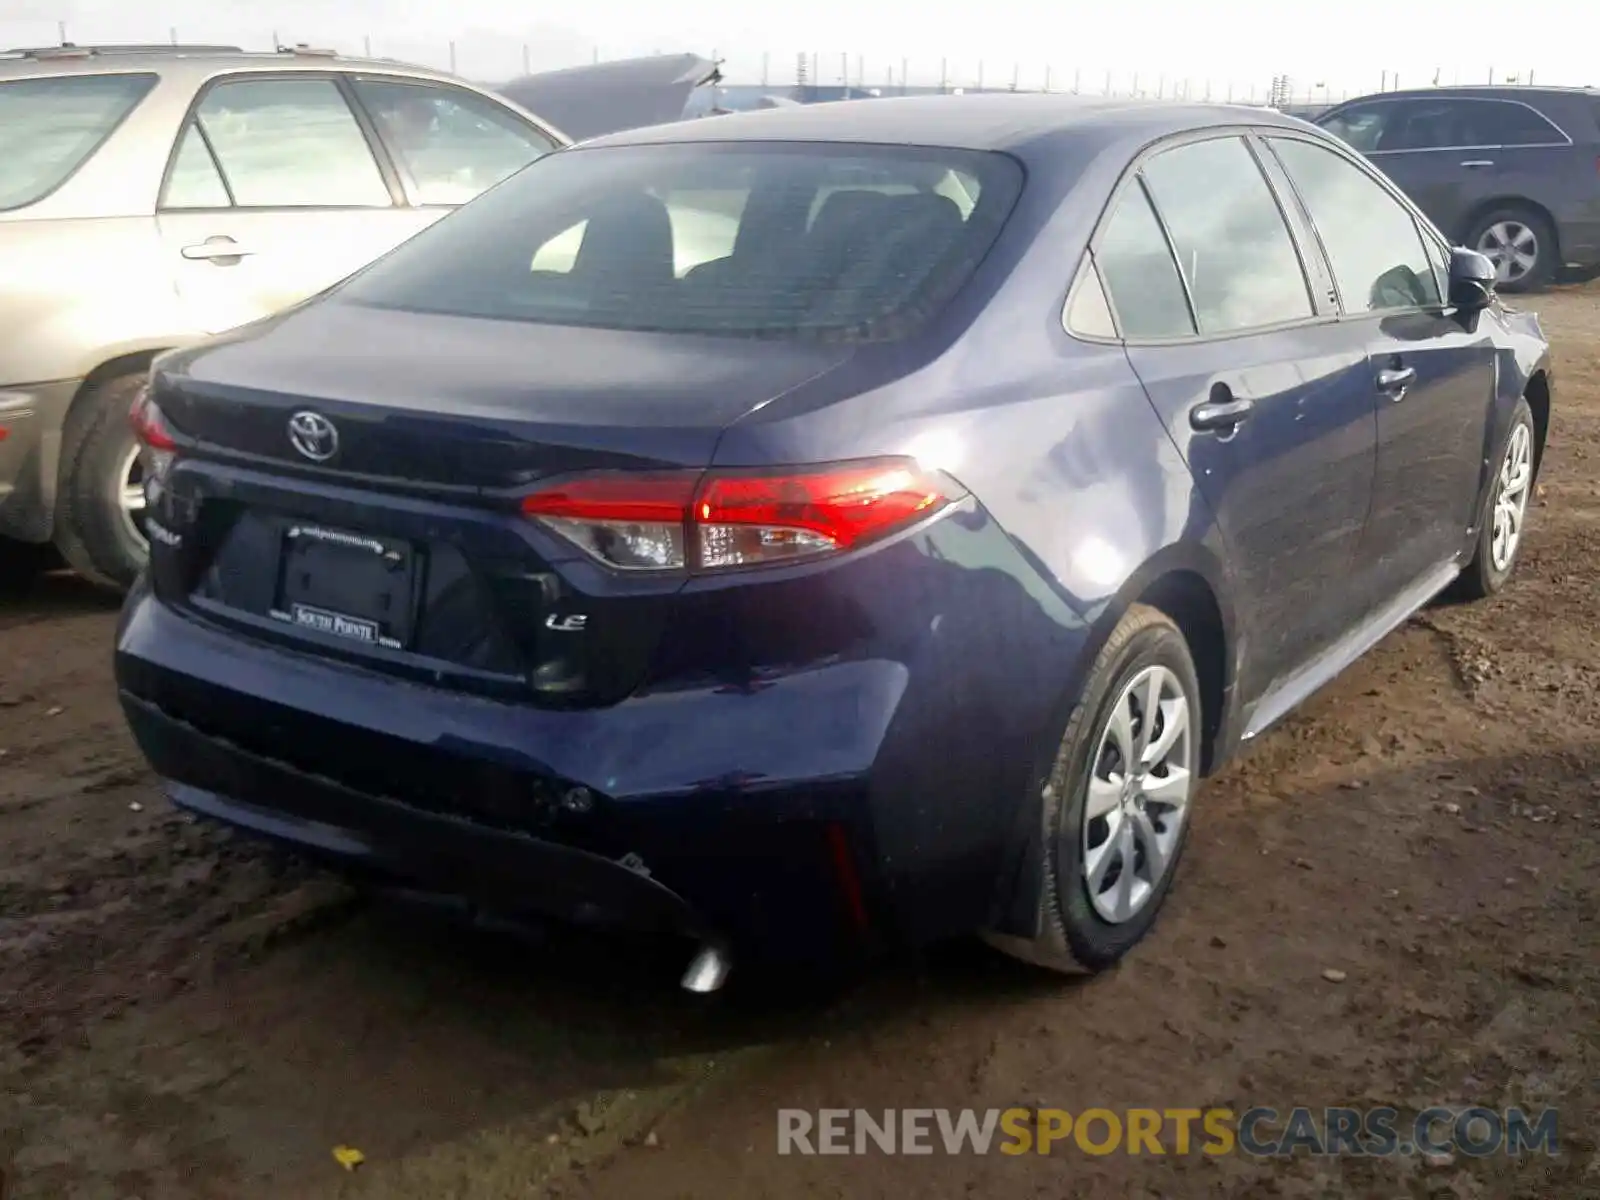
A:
(314, 436)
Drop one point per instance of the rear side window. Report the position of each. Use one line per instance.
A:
(1373, 245)
(716, 238)
(1139, 272)
(1233, 246)
(1504, 123)
(275, 143)
(50, 127)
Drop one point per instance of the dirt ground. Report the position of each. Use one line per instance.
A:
(184, 1015)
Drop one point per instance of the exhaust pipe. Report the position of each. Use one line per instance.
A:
(708, 970)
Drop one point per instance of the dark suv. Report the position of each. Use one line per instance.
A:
(1513, 172)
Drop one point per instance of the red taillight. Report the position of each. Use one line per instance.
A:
(149, 426)
(734, 519)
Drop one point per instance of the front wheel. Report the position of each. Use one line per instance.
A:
(1505, 513)
(1116, 806)
(100, 518)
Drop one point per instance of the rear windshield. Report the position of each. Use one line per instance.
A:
(50, 127)
(776, 239)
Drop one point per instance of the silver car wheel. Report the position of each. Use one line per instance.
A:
(1511, 498)
(130, 496)
(1142, 776)
(1513, 248)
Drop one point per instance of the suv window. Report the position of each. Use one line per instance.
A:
(1426, 125)
(1361, 126)
(277, 143)
(1233, 247)
(50, 127)
(449, 143)
(1139, 271)
(1373, 244)
(1506, 123)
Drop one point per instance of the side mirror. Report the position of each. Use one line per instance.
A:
(1472, 277)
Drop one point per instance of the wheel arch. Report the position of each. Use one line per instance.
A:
(129, 363)
(1537, 393)
(1187, 582)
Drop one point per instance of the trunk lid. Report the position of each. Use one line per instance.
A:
(470, 402)
(403, 549)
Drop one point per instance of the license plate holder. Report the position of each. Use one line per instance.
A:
(355, 587)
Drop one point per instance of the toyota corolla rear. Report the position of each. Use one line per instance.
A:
(453, 576)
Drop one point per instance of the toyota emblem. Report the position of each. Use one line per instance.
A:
(314, 436)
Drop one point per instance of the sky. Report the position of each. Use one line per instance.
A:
(1346, 48)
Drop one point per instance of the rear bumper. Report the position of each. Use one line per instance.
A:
(839, 754)
(31, 417)
(467, 795)
(389, 838)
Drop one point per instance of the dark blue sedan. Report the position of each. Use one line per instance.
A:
(824, 529)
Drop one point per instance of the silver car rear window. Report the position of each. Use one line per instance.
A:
(50, 127)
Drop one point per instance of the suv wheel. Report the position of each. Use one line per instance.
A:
(1116, 806)
(1521, 243)
(99, 520)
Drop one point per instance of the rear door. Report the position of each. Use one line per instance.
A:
(1263, 391)
(274, 193)
(1432, 374)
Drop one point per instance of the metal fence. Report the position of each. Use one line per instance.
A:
(815, 73)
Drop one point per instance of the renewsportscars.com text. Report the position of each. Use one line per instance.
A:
(1259, 1132)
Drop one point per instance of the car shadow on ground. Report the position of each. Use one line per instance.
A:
(35, 585)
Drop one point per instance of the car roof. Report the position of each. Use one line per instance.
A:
(1006, 121)
(199, 63)
(1482, 91)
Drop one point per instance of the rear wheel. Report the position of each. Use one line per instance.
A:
(1521, 243)
(100, 517)
(1116, 807)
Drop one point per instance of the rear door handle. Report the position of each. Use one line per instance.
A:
(1395, 380)
(215, 248)
(1478, 162)
(1220, 416)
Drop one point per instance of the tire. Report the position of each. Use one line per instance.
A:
(1076, 933)
(92, 530)
(1515, 223)
(1491, 566)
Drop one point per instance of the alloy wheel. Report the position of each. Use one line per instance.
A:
(1513, 248)
(1138, 794)
(1511, 498)
(130, 495)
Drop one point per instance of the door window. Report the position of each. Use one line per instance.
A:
(1139, 271)
(195, 182)
(449, 143)
(1372, 242)
(1361, 126)
(1427, 125)
(281, 143)
(1232, 244)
